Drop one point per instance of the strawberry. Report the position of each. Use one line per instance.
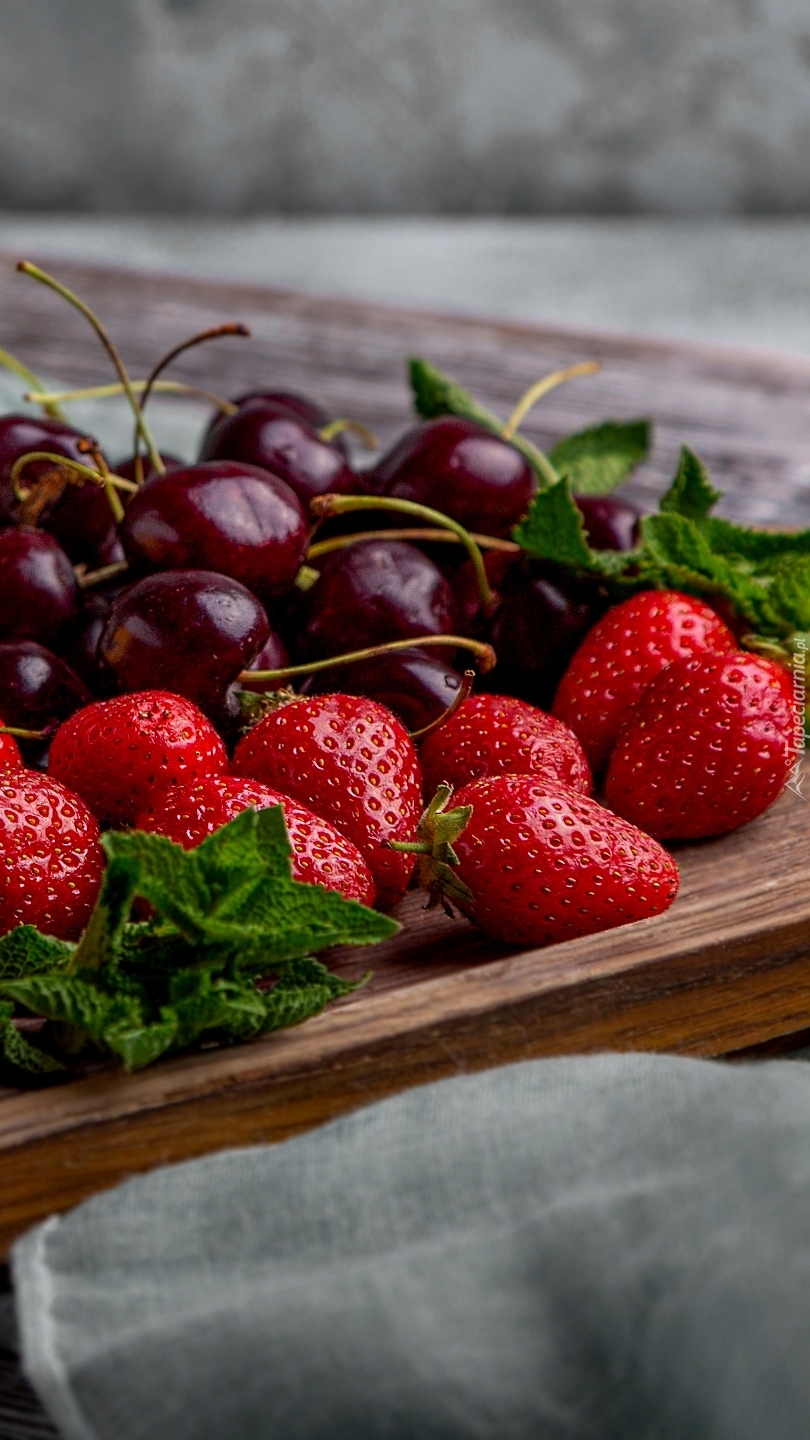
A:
(10, 757)
(496, 735)
(51, 861)
(708, 747)
(118, 754)
(351, 761)
(532, 863)
(623, 652)
(320, 854)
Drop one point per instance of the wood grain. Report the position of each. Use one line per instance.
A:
(728, 967)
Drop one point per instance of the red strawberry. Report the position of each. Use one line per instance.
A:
(540, 863)
(118, 754)
(351, 761)
(496, 735)
(10, 757)
(708, 747)
(320, 854)
(51, 862)
(623, 652)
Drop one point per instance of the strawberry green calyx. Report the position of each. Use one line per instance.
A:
(436, 831)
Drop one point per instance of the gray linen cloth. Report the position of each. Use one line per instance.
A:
(574, 1249)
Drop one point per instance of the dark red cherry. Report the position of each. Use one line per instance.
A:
(460, 468)
(39, 597)
(39, 691)
(273, 655)
(219, 515)
(545, 612)
(418, 687)
(611, 523)
(371, 592)
(190, 631)
(266, 434)
(126, 468)
(80, 516)
(291, 401)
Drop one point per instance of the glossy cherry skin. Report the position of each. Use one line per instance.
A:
(267, 434)
(371, 592)
(611, 523)
(188, 631)
(545, 612)
(39, 597)
(418, 687)
(80, 518)
(300, 405)
(220, 515)
(39, 691)
(462, 469)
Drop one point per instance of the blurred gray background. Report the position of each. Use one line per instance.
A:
(519, 107)
(613, 164)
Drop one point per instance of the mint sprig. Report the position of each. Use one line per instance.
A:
(224, 915)
(595, 460)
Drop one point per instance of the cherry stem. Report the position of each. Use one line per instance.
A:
(10, 362)
(463, 693)
(541, 388)
(25, 734)
(26, 268)
(259, 678)
(337, 427)
(110, 482)
(323, 505)
(444, 537)
(106, 392)
(214, 332)
(88, 579)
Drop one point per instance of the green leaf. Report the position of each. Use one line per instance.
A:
(788, 599)
(554, 529)
(305, 993)
(691, 493)
(597, 460)
(25, 952)
(139, 1045)
(675, 554)
(75, 1002)
(98, 946)
(18, 1052)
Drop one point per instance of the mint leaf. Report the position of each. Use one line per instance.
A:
(15, 1050)
(98, 945)
(597, 460)
(691, 493)
(306, 992)
(553, 528)
(675, 554)
(75, 1002)
(25, 952)
(788, 597)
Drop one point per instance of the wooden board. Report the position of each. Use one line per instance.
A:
(727, 968)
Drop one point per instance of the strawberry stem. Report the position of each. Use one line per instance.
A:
(26, 268)
(323, 505)
(250, 679)
(435, 834)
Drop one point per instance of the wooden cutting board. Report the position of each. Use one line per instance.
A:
(728, 967)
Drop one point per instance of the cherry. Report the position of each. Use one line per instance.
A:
(545, 613)
(126, 468)
(462, 469)
(611, 523)
(300, 405)
(188, 631)
(39, 691)
(266, 433)
(273, 655)
(80, 517)
(371, 592)
(219, 515)
(39, 597)
(415, 685)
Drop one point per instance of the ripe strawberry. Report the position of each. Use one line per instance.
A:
(119, 754)
(497, 735)
(532, 863)
(51, 862)
(623, 652)
(708, 747)
(351, 761)
(10, 757)
(320, 854)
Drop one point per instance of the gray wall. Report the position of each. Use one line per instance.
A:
(517, 106)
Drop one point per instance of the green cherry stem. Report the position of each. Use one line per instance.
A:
(258, 679)
(89, 579)
(10, 362)
(107, 392)
(214, 332)
(110, 482)
(337, 427)
(541, 388)
(443, 537)
(26, 268)
(463, 693)
(324, 505)
(25, 734)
